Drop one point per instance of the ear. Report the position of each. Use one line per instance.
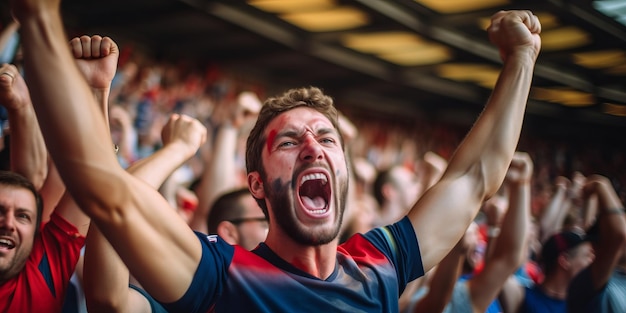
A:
(563, 261)
(228, 231)
(255, 185)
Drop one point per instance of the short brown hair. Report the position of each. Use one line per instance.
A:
(310, 97)
(12, 179)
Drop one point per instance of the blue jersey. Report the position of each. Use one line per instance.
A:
(537, 301)
(371, 272)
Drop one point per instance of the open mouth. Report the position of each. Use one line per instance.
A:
(314, 192)
(7, 243)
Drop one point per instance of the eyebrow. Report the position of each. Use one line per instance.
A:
(24, 210)
(295, 134)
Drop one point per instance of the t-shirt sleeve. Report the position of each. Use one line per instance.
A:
(154, 305)
(61, 243)
(210, 277)
(399, 243)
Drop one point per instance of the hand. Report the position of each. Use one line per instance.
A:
(184, 130)
(495, 208)
(515, 31)
(578, 181)
(521, 169)
(562, 182)
(600, 186)
(96, 58)
(13, 90)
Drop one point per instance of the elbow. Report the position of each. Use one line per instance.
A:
(39, 178)
(105, 198)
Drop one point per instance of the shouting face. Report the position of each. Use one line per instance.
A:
(306, 178)
(18, 222)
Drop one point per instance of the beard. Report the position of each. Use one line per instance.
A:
(10, 268)
(281, 197)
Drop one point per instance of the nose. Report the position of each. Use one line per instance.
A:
(311, 149)
(7, 221)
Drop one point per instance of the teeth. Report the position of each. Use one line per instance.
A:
(6, 242)
(318, 176)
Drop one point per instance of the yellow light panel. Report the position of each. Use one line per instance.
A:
(483, 75)
(382, 42)
(288, 6)
(427, 54)
(564, 96)
(564, 38)
(614, 109)
(600, 59)
(458, 6)
(339, 18)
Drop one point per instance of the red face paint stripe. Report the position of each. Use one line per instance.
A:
(270, 140)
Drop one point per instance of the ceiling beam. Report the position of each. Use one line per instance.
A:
(326, 51)
(487, 51)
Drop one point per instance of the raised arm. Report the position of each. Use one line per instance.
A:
(444, 279)
(508, 250)
(29, 156)
(140, 224)
(611, 226)
(106, 275)
(479, 165)
(551, 218)
(219, 173)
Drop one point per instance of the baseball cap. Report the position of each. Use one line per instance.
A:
(559, 243)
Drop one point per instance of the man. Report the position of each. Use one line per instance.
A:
(297, 172)
(34, 271)
(563, 256)
(601, 287)
(575, 269)
(396, 189)
(237, 219)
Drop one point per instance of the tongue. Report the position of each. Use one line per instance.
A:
(316, 203)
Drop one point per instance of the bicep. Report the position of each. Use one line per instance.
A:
(158, 247)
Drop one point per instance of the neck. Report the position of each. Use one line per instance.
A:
(318, 261)
(554, 287)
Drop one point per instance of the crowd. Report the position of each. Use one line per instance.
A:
(135, 185)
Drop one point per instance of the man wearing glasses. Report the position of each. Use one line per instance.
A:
(237, 218)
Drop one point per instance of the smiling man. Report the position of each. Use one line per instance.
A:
(34, 270)
(297, 172)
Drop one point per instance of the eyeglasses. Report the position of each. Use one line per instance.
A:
(242, 220)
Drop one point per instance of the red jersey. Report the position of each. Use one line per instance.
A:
(41, 285)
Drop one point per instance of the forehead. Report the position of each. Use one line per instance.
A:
(299, 119)
(12, 196)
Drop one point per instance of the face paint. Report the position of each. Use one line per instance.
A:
(270, 140)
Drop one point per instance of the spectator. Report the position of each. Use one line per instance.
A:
(601, 287)
(238, 219)
(34, 271)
